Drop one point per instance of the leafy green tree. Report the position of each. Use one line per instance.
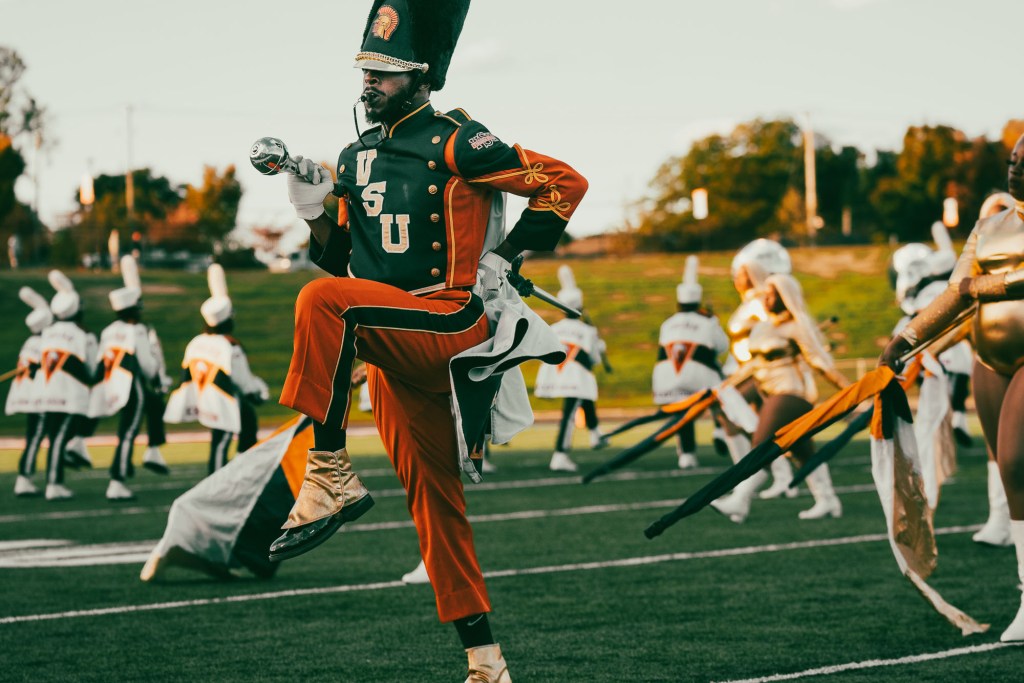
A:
(215, 204)
(21, 118)
(746, 173)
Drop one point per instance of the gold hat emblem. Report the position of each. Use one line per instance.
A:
(385, 23)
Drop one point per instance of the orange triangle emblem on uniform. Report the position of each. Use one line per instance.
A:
(111, 361)
(571, 350)
(203, 373)
(53, 361)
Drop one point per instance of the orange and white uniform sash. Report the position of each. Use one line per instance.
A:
(207, 392)
(572, 378)
(67, 364)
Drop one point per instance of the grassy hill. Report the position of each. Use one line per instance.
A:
(627, 296)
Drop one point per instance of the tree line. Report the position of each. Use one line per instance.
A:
(173, 216)
(754, 177)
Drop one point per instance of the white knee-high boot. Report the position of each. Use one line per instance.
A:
(826, 502)
(1015, 631)
(739, 446)
(736, 506)
(997, 528)
(782, 476)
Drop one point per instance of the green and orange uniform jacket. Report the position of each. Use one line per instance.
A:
(415, 201)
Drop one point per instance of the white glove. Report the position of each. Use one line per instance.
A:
(307, 196)
(490, 276)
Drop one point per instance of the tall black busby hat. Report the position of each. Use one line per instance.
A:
(412, 35)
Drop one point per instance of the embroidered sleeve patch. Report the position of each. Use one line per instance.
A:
(482, 140)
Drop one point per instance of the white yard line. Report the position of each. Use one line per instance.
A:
(502, 573)
(875, 663)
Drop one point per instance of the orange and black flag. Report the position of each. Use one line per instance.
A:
(227, 521)
(856, 426)
(804, 427)
(681, 414)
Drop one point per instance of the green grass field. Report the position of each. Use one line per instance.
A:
(579, 593)
(627, 296)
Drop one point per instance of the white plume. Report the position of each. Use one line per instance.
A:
(690, 270)
(32, 298)
(566, 278)
(130, 272)
(60, 281)
(941, 237)
(217, 280)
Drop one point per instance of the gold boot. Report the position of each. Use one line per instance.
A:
(331, 495)
(487, 665)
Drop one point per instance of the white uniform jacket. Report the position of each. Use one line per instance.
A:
(692, 343)
(127, 355)
(67, 367)
(24, 394)
(207, 393)
(572, 378)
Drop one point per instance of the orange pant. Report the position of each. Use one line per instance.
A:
(407, 341)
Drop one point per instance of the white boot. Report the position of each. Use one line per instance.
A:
(782, 476)
(153, 460)
(739, 446)
(487, 665)
(117, 491)
(597, 439)
(997, 528)
(826, 502)
(417, 576)
(687, 461)
(23, 487)
(561, 462)
(487, 467)
(58, 492)
(736, 506)
(1015, 631)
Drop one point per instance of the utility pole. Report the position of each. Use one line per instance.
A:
(810, 183)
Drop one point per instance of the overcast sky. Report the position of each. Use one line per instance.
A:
(611, 89)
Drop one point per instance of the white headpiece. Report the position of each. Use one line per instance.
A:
(997, 203)
(771, 256)
(40, 318)
(690, 291)
(912, 263)
(569, 294)
(129, 295)
(66, 302)
(217, 308)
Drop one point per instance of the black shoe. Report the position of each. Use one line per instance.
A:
(76, 460)
(301, 539)
(962, 438)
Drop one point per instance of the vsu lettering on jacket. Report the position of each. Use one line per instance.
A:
(416, 199)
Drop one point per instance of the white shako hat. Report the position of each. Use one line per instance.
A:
(771, 255)
(129, 295)
(40, 318)
(690, 291)
(911, 264)
(66, 302)
(217, 308)
(569, 294)
(997, 203)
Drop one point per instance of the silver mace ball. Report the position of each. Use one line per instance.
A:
(269, 156)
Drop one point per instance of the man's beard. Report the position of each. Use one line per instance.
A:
(395, 107)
